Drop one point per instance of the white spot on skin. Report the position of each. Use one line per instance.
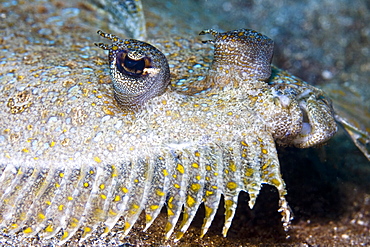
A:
(98, 136)
(118, 124)
(105, 118)
(284, 100)
(52, 120)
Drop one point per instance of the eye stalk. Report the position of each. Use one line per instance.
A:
(245, 50)
(139, 71)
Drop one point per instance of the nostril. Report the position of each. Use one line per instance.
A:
(305, 116)
(306, 129)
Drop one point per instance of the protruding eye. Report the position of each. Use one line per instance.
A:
(132, 63)
(139, 71)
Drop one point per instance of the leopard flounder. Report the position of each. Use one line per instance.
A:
(177, 142)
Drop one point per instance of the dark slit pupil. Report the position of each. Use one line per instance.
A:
(135, 66)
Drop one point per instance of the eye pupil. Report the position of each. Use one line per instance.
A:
(135, 66)
(132, 64)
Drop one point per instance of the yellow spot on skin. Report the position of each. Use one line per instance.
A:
(127, 225)
(97, 159)
(25, 150)
(249, 172)
(229, 203)
(190, 201)
(91, 172)
(52, 144)
(275, 182)
(174, 176)
(179, 235)
(61, 207)
(159, 192)
(231, 185)
(61, 174)
(154, 207)
(232, 167)
(228, 213)
(165, 172)
(264, 166)
(124, 190)
(195, 165)
(57, 185)
(70, 198)
(65, 235)
(208, 193)
(168, 227)
(48, 203)
(102, 186)
(107, 111)
(177, 186)
(28, 230)
(41, 216)
(87, 229)
(195, 187)
(111, 212)
(86, 185)
(19, 172)
(13, 226)
(117, 198)
(136, 180)
(148, 218)
(49, 228)
(209, 210)
(103, 196)
(170, 212)
(198, 177)
(208, 168)
(264, 151)
(180, 168)
(197, 154)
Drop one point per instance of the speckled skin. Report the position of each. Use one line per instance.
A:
(178, 148)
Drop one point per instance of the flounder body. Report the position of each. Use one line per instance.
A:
(176, 142)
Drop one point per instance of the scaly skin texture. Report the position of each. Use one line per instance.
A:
(179, 148)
